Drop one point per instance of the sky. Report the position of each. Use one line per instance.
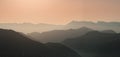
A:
(58, 11)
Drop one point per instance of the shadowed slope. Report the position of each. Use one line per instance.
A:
(14, 44)
(96, 44)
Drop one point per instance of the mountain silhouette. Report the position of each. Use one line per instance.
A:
(100, 25)
(29, 27)
(15, 44)
(96, 44)
(41, 27)
(59, 35)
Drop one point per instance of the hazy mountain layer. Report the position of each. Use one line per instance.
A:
(59, 35)
(28, 27)
(100, 25)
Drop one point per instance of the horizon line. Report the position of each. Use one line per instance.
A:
(54, 24)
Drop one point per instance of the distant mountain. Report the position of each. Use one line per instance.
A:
(29, 28)
(100, 25)
(96, 44)
(15, 44)
(59, 35)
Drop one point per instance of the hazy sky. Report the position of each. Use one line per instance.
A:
(58, 11)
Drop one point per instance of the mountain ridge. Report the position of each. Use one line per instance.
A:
(15, 44)
(96, 44)
(42, 27)
(59, 35)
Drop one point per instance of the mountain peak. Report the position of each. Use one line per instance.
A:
(79, 22)
(73, 22)
(85, 28)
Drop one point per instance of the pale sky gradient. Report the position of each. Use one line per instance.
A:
(58, 11)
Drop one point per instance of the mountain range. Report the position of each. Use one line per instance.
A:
(69, 42)
(15, 44)
(29, 27)
(58, 35)
(96, 44)
(100, 25)
(61, 35)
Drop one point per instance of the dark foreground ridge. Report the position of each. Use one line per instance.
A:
(96, 44)
(14, 44)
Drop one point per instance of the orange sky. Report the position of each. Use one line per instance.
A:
(58, 11)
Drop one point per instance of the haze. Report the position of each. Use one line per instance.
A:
(58, 11)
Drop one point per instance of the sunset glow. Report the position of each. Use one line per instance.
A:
(58, 11)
